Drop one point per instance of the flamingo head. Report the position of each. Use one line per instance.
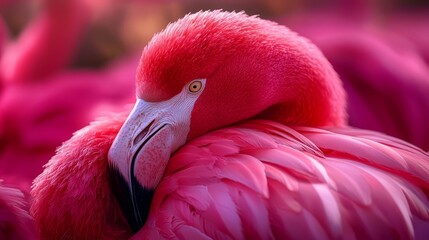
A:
(209, 70)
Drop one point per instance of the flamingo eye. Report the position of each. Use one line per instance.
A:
(195, 86)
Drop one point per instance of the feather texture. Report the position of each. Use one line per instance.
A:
(15, 222)
(327, 183)
(72, 197)
(258, 179)
(347, 185)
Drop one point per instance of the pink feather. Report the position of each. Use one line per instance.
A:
(201, 199)
(58, 106)
(88, 208)
(383, 191)
(15, 222)
(255, 179)
(41, 104)
(385, 70)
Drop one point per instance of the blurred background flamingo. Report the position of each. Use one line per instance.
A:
(53, 82)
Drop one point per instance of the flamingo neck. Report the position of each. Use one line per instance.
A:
(293, 88)
(315, 99)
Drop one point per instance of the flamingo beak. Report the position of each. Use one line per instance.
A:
(142, 149)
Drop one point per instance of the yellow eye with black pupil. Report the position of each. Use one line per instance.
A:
(195, 86)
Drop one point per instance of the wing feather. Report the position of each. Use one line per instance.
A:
(262, 180)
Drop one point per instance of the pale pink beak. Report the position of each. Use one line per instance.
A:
(142, 149)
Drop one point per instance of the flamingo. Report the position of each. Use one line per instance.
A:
(238, 131)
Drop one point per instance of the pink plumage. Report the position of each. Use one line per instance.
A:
(42, 104)
(384, 70)
(235, 183)
(253, 117)
(85, 197)
(44, 47)
(15, 222)
(58, 106)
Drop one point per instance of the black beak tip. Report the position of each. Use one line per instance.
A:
(133, 199)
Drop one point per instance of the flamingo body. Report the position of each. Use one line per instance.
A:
(262, 180)
(223, 152)
(258, 178)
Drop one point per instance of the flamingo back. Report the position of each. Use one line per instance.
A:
(263, 180)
